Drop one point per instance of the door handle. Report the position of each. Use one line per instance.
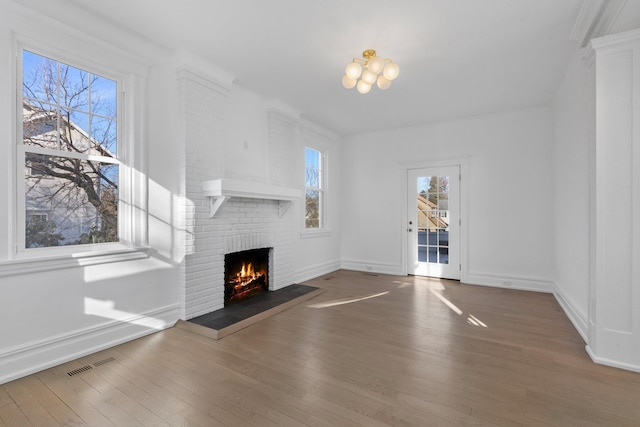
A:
(409, 230)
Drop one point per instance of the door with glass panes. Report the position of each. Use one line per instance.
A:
(433, 223)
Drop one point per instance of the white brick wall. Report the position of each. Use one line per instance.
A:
(241, 223)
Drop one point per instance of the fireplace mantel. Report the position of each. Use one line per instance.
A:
(220, 190)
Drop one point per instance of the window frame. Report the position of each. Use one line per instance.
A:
(322, 229)
(132, 186)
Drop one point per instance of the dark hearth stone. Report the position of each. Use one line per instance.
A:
(245, 309)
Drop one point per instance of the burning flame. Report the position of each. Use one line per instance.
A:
(243, 282)
(247, 271)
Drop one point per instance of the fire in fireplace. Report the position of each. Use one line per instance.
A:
(246, 274)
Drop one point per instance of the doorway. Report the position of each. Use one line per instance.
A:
(433, 222)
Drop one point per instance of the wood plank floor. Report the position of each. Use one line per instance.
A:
(373, 350)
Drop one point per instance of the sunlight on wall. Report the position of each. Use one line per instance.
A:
(96, 273)
(106, 309)
(161, 209)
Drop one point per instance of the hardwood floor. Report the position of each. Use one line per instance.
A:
(373, 350)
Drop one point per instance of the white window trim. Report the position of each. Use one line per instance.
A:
(132, 209)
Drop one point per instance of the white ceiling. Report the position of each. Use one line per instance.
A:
(456, 57)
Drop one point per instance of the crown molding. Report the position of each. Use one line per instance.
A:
(616, 39)
(203, 71)
(596, 18)
(275, 105)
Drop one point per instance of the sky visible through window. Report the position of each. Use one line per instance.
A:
(312, 164)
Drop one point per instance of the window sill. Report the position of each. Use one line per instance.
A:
(311, 234)
(34, 265)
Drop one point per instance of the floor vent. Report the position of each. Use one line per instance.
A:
(103, 361)
(79, 370)
(88, 367)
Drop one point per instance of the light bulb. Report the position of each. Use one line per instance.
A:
(391, 71)
(348, 82)
(363, 87)
(369, 77)
(383, 83)
(375, 64)
(353, 70)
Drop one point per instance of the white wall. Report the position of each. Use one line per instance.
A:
(509, 187)
(571, 177)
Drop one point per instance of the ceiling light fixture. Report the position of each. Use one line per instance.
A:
(373, 65)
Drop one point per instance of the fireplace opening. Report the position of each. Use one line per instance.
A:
(246, 274)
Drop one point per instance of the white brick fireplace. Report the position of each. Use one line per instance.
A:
(221, 215)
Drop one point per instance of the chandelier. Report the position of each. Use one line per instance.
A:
(372, 69)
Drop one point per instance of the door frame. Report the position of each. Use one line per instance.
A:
(463, 164)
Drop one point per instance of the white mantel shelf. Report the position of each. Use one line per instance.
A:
(221, 190)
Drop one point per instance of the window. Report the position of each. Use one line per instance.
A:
(314, 189)
(67, 155)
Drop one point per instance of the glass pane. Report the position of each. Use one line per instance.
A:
(39, 78)
(423, 184)
(312, 214)
(422, 237)
(433, 238)
(78, 198)
(312, 168)
(40, 126)
(443, 184)
(74, 88)
(103, 132)
(312, 177)
(443, 238)
(103, 97)
(312, 158)
(444, 255)
(422, 254)
(443, 202)
(433, 254)
(73, 132)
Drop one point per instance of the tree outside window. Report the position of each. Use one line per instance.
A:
(314, 189)
(69, 153)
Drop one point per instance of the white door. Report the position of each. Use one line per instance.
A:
(433, 223)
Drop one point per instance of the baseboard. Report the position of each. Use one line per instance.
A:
(372, 267)
(575, 315)
(317, 271)
(36, 356)
(612, 363)
(521, 283)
